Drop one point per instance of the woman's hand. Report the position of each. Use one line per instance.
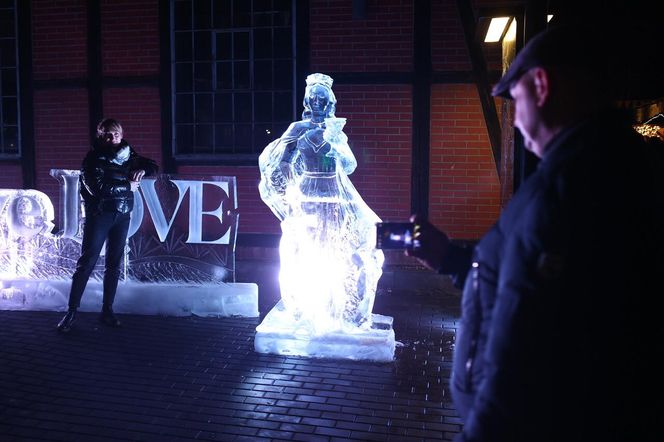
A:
(136, 175)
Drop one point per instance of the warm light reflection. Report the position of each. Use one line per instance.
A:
(510, 35)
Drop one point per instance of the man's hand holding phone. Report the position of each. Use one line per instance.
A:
(400, 236)
(433, 243)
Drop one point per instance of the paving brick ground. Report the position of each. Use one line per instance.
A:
(177, 378)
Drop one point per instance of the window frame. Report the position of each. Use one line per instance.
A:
(234, 157)
(16, 96)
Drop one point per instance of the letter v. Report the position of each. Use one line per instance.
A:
(154, 206)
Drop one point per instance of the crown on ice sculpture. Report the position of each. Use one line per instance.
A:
(323, 79)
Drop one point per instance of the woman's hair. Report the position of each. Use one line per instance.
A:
(108, 125)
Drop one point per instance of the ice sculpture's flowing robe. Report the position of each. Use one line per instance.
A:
(329, 265)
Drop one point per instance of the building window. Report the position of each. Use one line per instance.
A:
(233, 66)
(9, 98)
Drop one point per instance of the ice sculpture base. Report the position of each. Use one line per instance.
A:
(278, 334)
(230, 299)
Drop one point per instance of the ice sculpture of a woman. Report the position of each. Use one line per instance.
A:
(329, 265)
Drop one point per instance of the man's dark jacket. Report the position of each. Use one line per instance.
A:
(560, 326)
(105, 185)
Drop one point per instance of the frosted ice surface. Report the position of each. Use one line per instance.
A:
(237, 299)
(330, 266)
(280, 334)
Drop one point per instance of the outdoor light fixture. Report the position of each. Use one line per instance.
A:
(496, 29)
(500, 27)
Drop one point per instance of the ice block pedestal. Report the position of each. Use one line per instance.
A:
(280, 334)
(226, 299)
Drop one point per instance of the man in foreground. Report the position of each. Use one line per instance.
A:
(559, 326)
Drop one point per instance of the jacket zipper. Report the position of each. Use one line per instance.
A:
(473, 342)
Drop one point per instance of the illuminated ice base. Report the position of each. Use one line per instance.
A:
(279, 334)
(231, 299)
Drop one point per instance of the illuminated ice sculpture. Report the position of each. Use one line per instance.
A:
(329, 264)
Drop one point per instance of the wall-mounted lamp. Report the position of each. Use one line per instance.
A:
(502, 27)
(496, 29)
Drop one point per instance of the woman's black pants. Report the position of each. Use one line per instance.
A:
(111, 227)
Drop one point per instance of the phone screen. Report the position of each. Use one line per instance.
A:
(396, 236)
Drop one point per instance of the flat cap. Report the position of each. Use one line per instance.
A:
(561, 46)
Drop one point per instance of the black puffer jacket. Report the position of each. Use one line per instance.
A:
(560, 319)
(104, 178)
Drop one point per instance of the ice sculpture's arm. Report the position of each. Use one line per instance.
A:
(340, 150)
(272, 183)
(289, 145)
(276, 167)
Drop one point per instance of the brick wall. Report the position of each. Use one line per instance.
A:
(379, 130)
(381, 42)
(464, 188)
(59, 31)
(138, 110)
(464, 195)
(448, 46)
(449, 50)
(130, 37)
(61, 135)
(60, 115)
(11, 176)
(130, 47)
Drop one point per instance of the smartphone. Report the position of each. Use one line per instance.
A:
(396, 236)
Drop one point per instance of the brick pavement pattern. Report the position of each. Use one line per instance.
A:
(182, 378)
